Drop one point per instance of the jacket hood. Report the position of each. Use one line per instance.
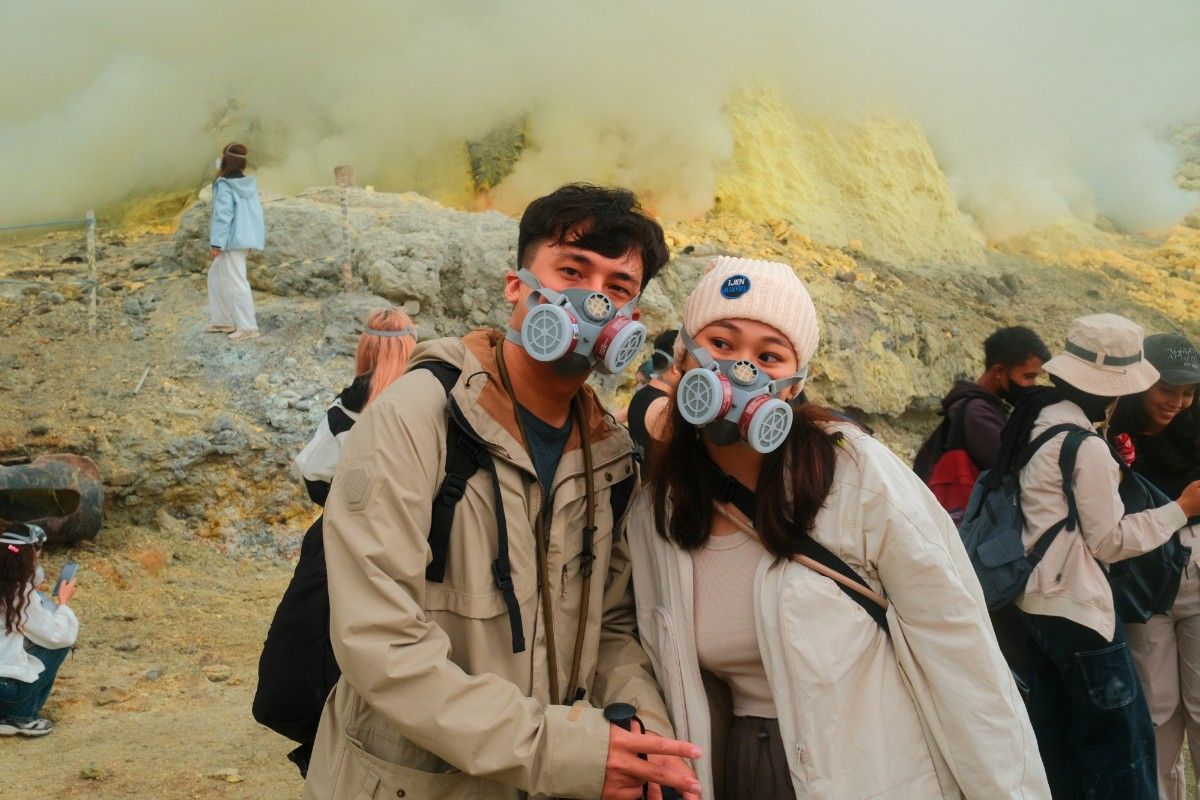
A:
(246, 186)
(969, 389)
(480, 390)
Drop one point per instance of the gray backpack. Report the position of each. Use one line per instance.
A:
(992, 523)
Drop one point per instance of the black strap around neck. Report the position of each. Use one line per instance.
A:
(730, 490)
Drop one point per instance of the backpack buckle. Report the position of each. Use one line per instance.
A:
(453, 489)
(502, 577)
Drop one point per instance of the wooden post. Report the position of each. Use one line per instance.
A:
(345, 178)
(91, 260)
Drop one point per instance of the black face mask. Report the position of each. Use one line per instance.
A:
(1013, 393)
(1094, 406)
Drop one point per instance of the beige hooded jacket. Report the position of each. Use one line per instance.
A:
(432, 700)
(925, 710)
(1070, 580)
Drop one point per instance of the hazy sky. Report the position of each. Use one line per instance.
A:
(1035, 109)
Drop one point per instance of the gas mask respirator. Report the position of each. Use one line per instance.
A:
(731, 400)
(578, 329)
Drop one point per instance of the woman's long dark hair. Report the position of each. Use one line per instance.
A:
(16, 573)
(793, 482)
(1176, 450)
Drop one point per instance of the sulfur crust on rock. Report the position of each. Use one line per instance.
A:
(873, 181)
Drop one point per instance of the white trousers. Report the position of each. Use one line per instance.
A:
(1166, 651)
(229, 299)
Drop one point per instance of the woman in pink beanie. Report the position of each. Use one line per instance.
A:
(810, 612)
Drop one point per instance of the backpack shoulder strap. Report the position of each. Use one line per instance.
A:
(465, 454)
(461, 464)
(956, 428)
(1066, 464)
(1036, 443)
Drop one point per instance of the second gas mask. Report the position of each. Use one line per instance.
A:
(578, 329)
(731, 400)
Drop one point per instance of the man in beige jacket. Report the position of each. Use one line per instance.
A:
(478, 668)
(1086, 704)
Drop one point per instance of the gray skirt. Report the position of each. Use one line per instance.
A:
(756, 765)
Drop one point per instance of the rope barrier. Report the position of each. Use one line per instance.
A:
(54, 224)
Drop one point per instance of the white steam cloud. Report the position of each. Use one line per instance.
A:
(1035, 110)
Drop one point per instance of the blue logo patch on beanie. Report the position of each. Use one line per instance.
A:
(735, 286)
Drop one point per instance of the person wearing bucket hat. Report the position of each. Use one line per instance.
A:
(36, 637)
(786, 552)
(1086, 702)
(1158, 430)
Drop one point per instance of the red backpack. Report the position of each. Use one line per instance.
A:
(944, 464)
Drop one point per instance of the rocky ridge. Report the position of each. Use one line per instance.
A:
(187, 425)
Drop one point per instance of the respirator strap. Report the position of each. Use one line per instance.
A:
(701, 355)
(774, 388)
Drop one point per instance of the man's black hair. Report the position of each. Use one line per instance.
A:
(666, 340)
(1012, 347)
(608, 221)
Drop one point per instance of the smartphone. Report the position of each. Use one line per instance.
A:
(65, 576)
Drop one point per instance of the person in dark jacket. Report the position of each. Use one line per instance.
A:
(1013, 359)
(297, 643)
(662, 382)
(1158, 431)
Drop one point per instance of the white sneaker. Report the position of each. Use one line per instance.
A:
(35, 727)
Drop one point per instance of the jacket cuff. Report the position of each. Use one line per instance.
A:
(577, 738)
(1175, 515)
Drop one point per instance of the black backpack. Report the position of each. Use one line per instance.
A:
(992, 523)
(297, 668)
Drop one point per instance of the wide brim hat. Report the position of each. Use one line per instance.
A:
(1103, 356)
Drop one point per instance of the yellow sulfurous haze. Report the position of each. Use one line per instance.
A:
(919, 130)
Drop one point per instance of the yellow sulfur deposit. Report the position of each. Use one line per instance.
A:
(873, 181)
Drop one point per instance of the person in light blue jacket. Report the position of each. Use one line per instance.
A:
(237, 227)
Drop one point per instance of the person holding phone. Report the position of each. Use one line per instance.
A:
(36, 638)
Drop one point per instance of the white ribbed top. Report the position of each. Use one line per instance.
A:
(726, 637)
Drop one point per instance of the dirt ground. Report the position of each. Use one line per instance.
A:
(155, 700)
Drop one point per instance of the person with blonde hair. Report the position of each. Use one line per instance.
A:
(807, 604)
(387, 340)
(297, 667)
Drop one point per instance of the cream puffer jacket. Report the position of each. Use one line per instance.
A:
(929, 711)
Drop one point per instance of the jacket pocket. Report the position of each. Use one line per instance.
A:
(1109, 676)
(444, 598)
(367, 777)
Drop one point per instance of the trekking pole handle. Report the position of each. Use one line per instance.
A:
(623, 715)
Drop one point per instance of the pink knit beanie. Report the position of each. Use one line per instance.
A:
(763, 291)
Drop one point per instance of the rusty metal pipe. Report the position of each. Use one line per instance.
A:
(66, 473)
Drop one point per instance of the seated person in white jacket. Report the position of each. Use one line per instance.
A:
(874, 673)
(37, 635)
